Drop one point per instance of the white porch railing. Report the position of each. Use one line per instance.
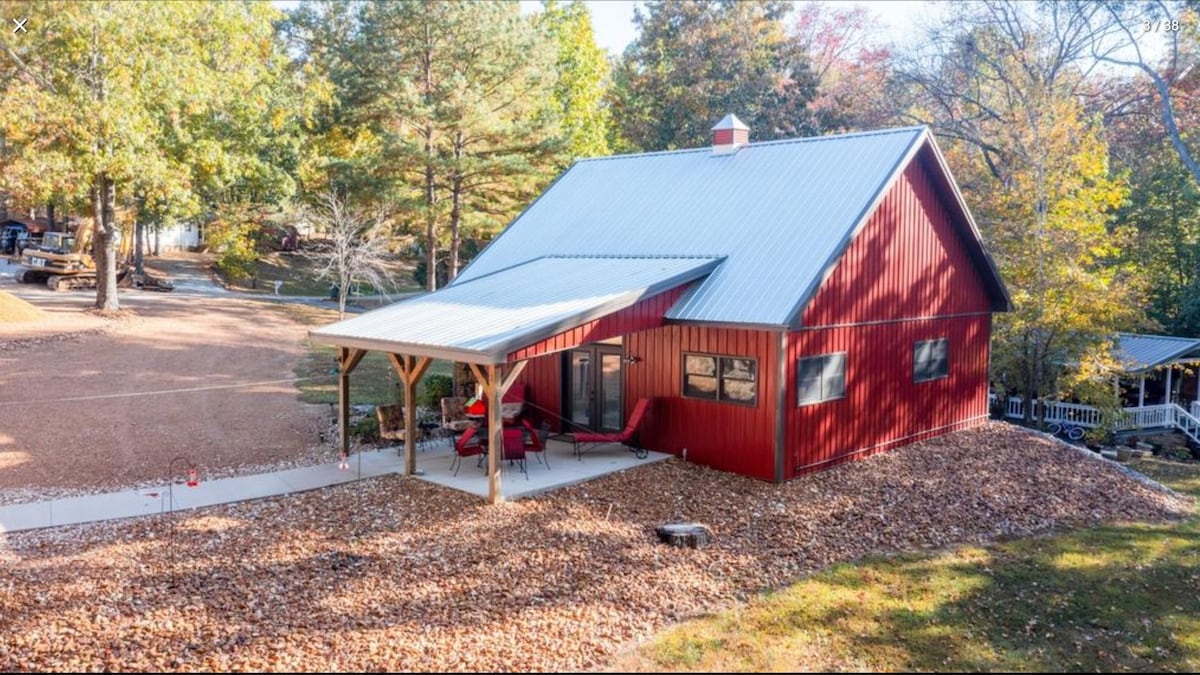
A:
(1081, 415)
(1147, 417)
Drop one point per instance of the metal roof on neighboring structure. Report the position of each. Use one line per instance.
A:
(1143, 352)
(782, 212)
(485, 319)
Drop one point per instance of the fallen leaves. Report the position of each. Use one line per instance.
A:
(397, 574)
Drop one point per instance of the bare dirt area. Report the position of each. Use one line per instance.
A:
(89, 403)
(395, 574)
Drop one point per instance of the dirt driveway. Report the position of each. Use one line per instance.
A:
(112, 405)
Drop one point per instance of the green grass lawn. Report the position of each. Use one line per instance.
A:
(1114, 598)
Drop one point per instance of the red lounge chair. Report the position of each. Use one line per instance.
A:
(628, 435)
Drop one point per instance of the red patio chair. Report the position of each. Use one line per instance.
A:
(627, 436)
(467, 446)
(537, 440)
(514, 448)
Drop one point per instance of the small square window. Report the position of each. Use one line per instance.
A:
(931, 360)
(821, 378)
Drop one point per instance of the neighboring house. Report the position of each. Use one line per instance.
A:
(174, 237)
(787, 305)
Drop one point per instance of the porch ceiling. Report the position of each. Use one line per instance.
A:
(484, 319)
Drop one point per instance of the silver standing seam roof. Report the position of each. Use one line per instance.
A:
(485, 319)
(782, 213)
(1138, 353)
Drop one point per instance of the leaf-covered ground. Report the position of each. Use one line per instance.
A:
(1119, 597)
(397, 574)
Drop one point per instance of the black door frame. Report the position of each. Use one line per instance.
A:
(596, 349)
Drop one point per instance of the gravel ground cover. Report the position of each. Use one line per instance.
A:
(397, 574)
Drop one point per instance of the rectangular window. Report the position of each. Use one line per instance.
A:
(721, 378)
(821, 378)
(931, 360)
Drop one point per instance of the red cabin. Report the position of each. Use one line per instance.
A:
(787, 305)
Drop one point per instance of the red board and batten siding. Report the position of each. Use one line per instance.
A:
(906, 277)
(726, 436)
(543, 373)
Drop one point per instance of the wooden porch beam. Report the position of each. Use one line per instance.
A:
(514, 372)
(410, 369)
(480, 377)
(348, 359)
(495, 435)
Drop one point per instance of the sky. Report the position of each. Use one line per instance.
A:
(899, 20)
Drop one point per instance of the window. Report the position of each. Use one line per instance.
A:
(931, 360)
(720, 378)
(821, 378)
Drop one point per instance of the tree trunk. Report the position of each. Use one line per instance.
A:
(430, 218)
(50, 217)
(104, 246)
(139, 233)
(455, 209)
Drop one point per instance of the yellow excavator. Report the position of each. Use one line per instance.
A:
(55, 263)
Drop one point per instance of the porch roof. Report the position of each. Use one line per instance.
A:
(486, 318)
(1139, 353)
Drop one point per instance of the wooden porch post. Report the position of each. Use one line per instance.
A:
(1167, 395)
(1142, 391)
(348, 360)
(495, 385)
(410, 370)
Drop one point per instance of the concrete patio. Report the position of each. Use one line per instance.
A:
(433, 465)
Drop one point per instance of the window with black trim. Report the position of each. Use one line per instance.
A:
(821, 378)
(931, 360)
(732, 379)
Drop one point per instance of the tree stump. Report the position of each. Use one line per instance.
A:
(691, 535)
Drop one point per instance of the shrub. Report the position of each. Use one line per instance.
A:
(366, 429)
(433, 389)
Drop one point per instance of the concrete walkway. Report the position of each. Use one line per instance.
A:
(156, 500)
(558, 468)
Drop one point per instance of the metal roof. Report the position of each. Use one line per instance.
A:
(1143, 352)
(485, 319)
(782, 212)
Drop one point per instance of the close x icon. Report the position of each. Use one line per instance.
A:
(20, 25)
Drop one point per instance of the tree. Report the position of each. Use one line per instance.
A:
(458, 100)
(1118, 32)
(124, 104)
(583, 74)
(853, 74)
(358, 240)
(695, 62)
(1003, 87)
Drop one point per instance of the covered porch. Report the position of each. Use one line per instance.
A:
(1159, 370)
(1159, 390)
(495, 324)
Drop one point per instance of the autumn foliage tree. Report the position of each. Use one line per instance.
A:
(158, 106)
(1004, 91)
